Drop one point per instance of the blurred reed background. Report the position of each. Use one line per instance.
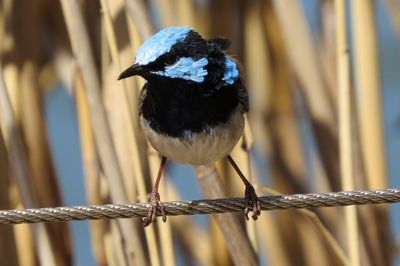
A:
(317, 93)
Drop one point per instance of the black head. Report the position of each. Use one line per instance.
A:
(181, 55)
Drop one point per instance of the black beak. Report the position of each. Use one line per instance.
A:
(135, 70)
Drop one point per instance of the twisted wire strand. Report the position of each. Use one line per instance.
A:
(113, 211)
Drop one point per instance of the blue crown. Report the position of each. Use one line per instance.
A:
(160, 43)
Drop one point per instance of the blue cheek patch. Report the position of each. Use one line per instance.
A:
(160, 43)
(186, 68)
(231, 72)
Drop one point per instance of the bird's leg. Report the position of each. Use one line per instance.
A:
(155, 201)
(252, 201)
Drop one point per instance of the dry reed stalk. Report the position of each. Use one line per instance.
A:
(45, 183)
(328, 49)
(10, 72)
(241, 157)
(316, 254)
(323, 231)
(289, 227)
(367, 218)
(114, 247)
(16, 242)
(393, 8)
(24, 50)
(298, 38)
(331, 243)
(81, 47)
(185, 13)
(165, 233)
(138, 83)
(258, 72)
(133, 34)
(234, 185)
(176, 13)
(257, 80)
(194, 240)
(8, 248)
(232, 13)
(367, 75)
(220, 254)
(281, 124)
(34, 132)
(25, 244)
(246, 147)
(140, 15)
(236, 240)
(202, 21)
(303, 58)
(166, 12)
(219, 244)
(130, 131)
(23, 177)
(91, 169)
(185, 229)
(345, 131)
(281, 120)
(269, 229)
(270, 237)
(23, 233)
(109, 250)
(108, 244)
(126, 39)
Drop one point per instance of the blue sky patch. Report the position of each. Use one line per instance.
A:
(186, 68)
(160, 43)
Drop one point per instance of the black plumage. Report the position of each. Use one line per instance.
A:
(172, 107)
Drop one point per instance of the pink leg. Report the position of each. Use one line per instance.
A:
(155, 198)
(252, 202)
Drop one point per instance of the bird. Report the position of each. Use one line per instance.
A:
(192, 106)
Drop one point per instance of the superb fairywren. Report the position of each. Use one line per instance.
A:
(192, 107)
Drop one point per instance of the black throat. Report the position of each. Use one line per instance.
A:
(176, 107)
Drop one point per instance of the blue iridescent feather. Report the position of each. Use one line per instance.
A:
(186, 68)
(231, 72)
(160, 43)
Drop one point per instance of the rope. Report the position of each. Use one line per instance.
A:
(113, 211)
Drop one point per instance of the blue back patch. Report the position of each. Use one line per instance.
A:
(160, 43)
(186, 68)
(231, 72)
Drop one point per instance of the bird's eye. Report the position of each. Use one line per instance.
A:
(170, 60)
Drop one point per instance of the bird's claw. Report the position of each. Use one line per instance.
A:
(252, 203)
(156, 204)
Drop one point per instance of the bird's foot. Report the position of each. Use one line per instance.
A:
(156, 204)
(252, 203)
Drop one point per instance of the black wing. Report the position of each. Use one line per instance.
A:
(142, 95)
(243, 97)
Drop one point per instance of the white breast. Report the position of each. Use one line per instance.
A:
(198, 148)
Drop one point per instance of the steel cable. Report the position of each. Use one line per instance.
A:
(204, 206)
